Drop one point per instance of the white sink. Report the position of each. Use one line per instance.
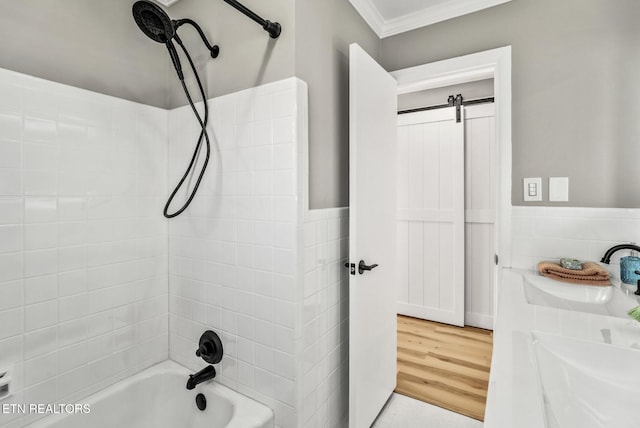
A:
(608, 300)
(585, 384)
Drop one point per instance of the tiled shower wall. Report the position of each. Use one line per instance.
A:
(234, 260)
(83, 271)
(83, 254)
(325, 322)
(582, 233)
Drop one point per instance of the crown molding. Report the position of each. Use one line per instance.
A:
(370, 14)
(422, 18)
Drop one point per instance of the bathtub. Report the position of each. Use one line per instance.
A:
(157, 398)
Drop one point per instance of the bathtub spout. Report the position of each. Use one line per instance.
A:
(203, 375)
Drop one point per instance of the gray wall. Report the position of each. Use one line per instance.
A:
(96, 45)
(576, 96)
(324, 31)
(89, 44)
(248, 56)
(437, 96)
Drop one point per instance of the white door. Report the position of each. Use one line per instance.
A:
(372, 237)
(431, 241)
(481, 182)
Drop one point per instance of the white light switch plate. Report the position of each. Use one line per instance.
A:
(558, 189)
(532, 189)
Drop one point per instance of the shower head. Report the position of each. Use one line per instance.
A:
(153, 21)
(156, 24)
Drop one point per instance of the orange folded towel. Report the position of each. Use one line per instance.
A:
(590, 274)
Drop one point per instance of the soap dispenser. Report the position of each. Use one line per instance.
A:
(628, 266)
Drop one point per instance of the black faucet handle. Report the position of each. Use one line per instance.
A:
(638, 272)
(210, 347)
(204, 350)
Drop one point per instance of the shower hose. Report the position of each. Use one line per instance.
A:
(203, 135)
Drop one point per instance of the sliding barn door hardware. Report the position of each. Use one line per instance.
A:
(458, 104)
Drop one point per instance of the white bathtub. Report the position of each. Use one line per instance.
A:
(158, 398)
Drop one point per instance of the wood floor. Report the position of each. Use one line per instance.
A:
(444, 365)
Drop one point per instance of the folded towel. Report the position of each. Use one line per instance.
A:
(590, 274)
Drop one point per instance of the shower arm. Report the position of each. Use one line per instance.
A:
(214, 50)
(273, 28)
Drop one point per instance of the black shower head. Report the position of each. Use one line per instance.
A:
(153, 21)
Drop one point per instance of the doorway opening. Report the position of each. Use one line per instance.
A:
(454, 175)
(373, 215)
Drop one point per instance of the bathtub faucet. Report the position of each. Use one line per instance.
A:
(203, 375)
(607, 255)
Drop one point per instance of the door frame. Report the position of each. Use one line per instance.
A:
(496, 64)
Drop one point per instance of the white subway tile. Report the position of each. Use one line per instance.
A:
(11, 323)
(284, 261)
(40, 315)
(43, 157)
(11, 350)
(40, 289)
(72, 357)
(284, 104)
(73, 307)
(262, 133)
(11, 295)
(10, 182)
(265, 333)
(41, 368)
(38, 263)
(40, 209)
(284, 183)
(73, 331)
(263, 158)
(72, 208)
(284, 130)
(10, 126)
(40, 183)
(10, 239)
(10, 95)
(11, 210)
(285, 209)
(263, 183)
(40, 236)
(11, 266)
(285, 235)
(263, 258)
(10, 154)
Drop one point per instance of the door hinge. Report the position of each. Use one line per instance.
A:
(496, 259)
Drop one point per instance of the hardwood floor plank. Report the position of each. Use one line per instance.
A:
(479, 357)
(444, 365)
(433, 376)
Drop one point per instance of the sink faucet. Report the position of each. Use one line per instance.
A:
(203, 375)
(607, 255)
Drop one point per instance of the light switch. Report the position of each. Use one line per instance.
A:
(558, 189)
(532, 189)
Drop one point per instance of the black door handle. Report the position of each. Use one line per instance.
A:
(362, 266)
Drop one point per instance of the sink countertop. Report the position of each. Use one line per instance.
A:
(514, 398)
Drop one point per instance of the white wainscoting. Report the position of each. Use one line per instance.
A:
(550, 233)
